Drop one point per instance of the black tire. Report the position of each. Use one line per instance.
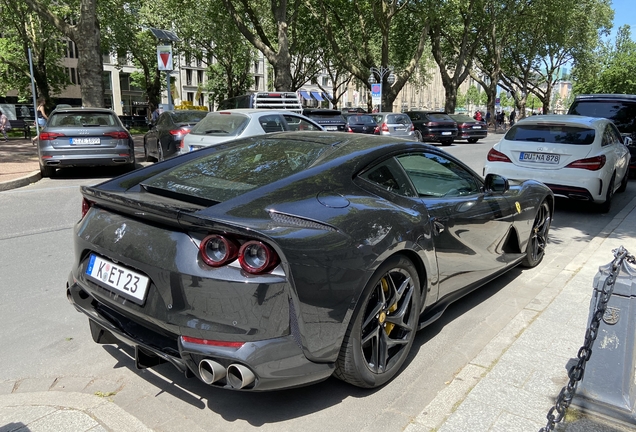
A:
(472, 140)
(47, 171)
(624, 182)
(447, 142)
(383, 327)
(535, 249)
(418, 135)
(147, 157)
(606, 206)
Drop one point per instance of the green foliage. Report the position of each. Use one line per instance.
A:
(611, 69)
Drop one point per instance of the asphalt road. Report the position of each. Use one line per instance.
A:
(46, 344)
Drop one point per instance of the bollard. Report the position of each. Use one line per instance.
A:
(608, 386)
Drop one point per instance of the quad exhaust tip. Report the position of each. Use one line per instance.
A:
(211, 371)
(239, 376)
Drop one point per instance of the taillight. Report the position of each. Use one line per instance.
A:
(592, 164)
(199, 341)
(376, 130)
(384, 127)
(117, 135)
(256, 257)
(181, 131)
(495, 156)
(48, 136)
(349, 129)
(86, 206)
(412, 128)
(181, 144)
(217, 250)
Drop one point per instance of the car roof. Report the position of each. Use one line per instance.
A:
(84, 109)
(605, 96)
(564, 119)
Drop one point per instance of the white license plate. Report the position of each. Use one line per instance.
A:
(127, 283)
(539, 157)
(75, 141)
(331, 128)
(447, 133)
(476, 127)
(400, 129)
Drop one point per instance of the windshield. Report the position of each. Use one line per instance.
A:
(227, 173)
(554, 134)
(220, 124)
(82, 119)
(439, 117)
(361, 119)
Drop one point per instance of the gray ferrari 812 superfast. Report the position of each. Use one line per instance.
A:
(279, 260)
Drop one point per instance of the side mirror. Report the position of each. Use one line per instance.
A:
(628, 141)
(496, 183)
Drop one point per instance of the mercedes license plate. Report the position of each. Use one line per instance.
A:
(118, 278)
(539, 157)
(331, 128)
(76, 141)
(446, 133)
(476, 127)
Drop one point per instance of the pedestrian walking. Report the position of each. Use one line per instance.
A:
(5, 126)
(41, 113)
(512, 117)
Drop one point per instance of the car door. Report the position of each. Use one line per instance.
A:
(469, 227)
(296, 123)
(620, 153)
(151, 136)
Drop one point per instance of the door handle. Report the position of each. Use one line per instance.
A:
(439, 224)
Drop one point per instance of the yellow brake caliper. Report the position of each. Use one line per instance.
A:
(388, 326)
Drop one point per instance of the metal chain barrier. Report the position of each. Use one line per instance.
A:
(576, 372)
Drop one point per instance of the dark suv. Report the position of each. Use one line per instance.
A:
(433, 126)
(620, 108)
(331, 120)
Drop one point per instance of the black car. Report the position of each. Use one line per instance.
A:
(163, 139)
(468, 128)
(278, 260)
(619, 108)
(433, 126)
(331, 120)
(362, 123)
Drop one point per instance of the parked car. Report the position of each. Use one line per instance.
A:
(330, 120)
(362, 123)
(278, 260)
(468, 128)
(357, 110)
(394, 124)
(130, 121)
(221, 126)
(433, 126)
(76, 137)
(619, 108)
(581, 158)
(164, 138)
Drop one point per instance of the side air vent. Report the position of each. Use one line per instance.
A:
(301, 222)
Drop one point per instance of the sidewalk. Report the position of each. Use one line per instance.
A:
(510, 386)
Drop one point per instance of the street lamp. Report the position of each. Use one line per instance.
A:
(381, 72)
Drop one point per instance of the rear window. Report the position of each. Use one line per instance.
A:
(622, 113)
(227, 173)
(439, 117)
(398, 119)
(218, 124)
(361, 119)
(325, 115)
(554, 134)
(82, 119)
(462, 118)
(188, 117)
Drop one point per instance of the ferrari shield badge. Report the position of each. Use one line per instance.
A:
(518, 206)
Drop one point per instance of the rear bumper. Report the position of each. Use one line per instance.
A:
(472, 134)
(59, 160)
(276, 363)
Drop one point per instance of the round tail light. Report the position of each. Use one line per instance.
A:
(256, 257)
(217, 250)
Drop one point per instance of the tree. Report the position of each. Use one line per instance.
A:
(378, 33)
(83, 29)
(611, 69)
(24, 29)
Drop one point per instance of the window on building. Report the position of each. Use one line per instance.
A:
(201, 101)
(124, 81)
(106, 78)
(188, 59)
(199, 62)
(256, 67)
(190, 96)
(199, 77)
(73, 76)
(325, 81)
(257, 82)
(70, 49)
(189, 77)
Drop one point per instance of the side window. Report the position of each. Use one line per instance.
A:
(608, 138)
(389, 176)
(617, 135)
(271, 123)
(298, 124)
(435, 176)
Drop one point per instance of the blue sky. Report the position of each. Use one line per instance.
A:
(624, 13)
